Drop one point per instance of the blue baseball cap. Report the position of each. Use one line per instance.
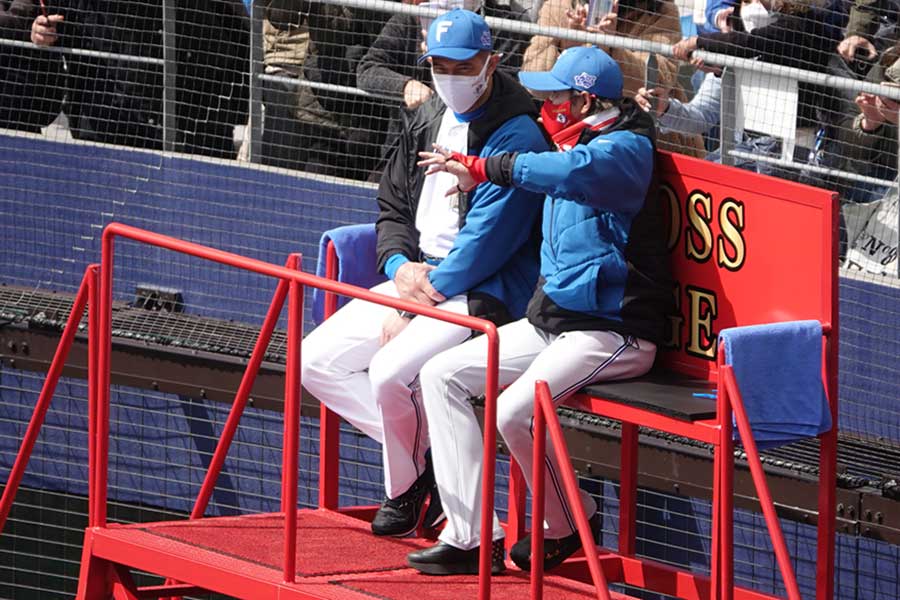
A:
(458, 35)
(584, 68)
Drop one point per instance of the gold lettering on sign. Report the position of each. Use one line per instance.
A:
(698, 237)
(731, 222)
(703, 309)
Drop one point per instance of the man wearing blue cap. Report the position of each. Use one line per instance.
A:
(598, 310)
(467, 252)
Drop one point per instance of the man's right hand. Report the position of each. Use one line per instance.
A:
(413, 284)
(847, 48)
(415, 93)
(645, 99)
(43, 29)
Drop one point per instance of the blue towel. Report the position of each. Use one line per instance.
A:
(355, 248)
(778, 368)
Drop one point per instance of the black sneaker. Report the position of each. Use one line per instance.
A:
(555, 550)
(399, 516)
(434, 514)
(444, 559)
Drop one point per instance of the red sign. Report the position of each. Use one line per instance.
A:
(746, 249)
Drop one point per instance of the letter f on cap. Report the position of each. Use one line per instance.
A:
(442, 28)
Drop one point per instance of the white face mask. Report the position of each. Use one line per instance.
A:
(755, 15)
(460, 92)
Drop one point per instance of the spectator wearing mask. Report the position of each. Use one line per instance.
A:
(648, 20)
(785, 33)
(597, 313)
(470, 252)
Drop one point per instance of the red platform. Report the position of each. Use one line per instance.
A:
(337, 558)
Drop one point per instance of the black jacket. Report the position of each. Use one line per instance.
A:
(402, 181)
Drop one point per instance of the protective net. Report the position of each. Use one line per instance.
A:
(255, 126)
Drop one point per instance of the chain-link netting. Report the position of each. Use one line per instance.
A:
(255, 126)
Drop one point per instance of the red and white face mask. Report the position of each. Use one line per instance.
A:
(557, 117)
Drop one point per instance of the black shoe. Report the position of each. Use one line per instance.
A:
(555, 551)
(444, 559)
(434, 514)
(400, 516)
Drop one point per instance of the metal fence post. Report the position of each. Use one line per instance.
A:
(727, 115)
(254, 134)
(170, 73)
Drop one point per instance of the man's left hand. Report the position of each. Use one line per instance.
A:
(392, 327)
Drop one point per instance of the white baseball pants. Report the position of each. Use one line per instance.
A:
(376, 388)
(567, 362)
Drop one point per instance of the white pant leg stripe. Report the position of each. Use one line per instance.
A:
(581, 383)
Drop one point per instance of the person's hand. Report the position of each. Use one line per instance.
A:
(701, 66)
(423, 45)
(645, 99)
(441, 161)
(868, 106)
(575, 19)
(392, 327)
(888, 108)
(43, 29)
(413, 284)
(415, 93)
(722, 17)
(848, 46)
(608, 22)
(683, 49)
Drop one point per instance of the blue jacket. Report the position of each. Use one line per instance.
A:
(498, 221)
(604, 263)
(494, 259)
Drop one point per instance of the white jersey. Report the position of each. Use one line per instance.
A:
(437, 216)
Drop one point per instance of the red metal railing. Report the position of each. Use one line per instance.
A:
(545, 419)
(296, 281)
(82, 297)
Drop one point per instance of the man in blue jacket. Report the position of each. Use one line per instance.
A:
(469, 252)
(597, 313)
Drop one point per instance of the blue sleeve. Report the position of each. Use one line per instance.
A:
(713, 7)
(611, 172)
(393, 263)
(499, 220)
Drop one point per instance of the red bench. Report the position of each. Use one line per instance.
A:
(745, 250)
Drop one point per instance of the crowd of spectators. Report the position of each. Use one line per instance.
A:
(318, 129)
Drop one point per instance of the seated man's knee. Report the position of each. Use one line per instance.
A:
(386, 372)
(317, 367)
(514, 418)
(435, 378)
